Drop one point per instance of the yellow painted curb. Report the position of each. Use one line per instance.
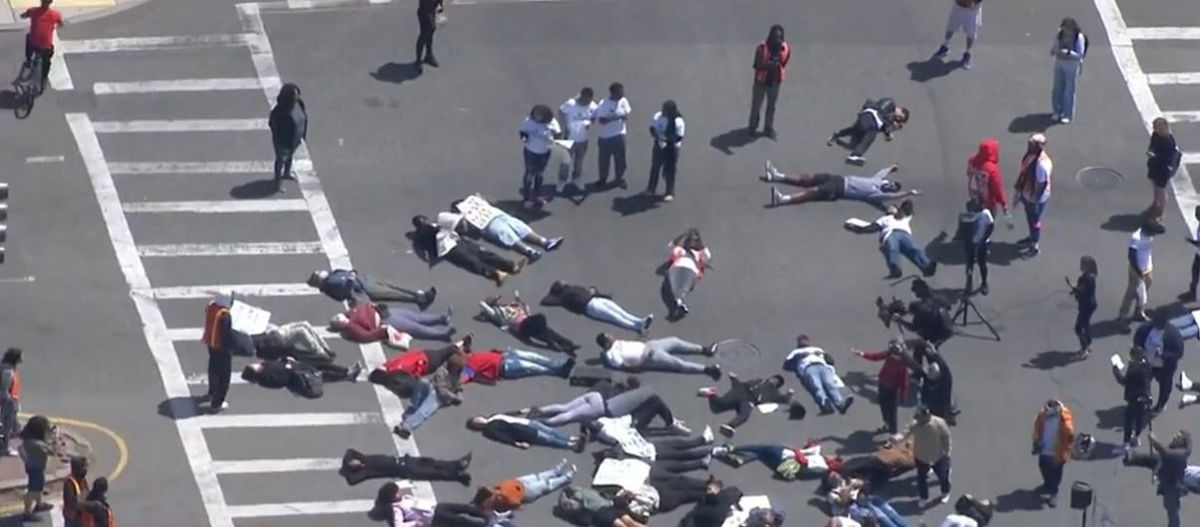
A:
(122, 448)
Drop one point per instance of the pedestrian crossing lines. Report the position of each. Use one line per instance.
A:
(152, 266)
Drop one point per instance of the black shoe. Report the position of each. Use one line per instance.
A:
(983, 289)
(464, 480)
(465, 461)
(931, 270)
(426, 298)
(431, 61)
(620, 183)
(402, 432)
(827, 409)
(769, 133)
(846, 405)
(567, 367)
(894, 274)
(713, 371)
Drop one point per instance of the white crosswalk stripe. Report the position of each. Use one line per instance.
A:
(385, 410)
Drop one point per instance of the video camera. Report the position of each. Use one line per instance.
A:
(889, 312)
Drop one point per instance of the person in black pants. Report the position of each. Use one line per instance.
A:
(743, 396)
(358, 467)
(667, 129)
(1164, 347)
(1190, 295)
(436, 243)
(219, 338)
(975, 231)
(521, 322)
(878, 116)
(937, 385)
(427, 18)
(1162, 161)
(1136, 379)
(1084, 291)
(289, 127)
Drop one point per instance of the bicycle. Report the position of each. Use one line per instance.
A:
(28, 85)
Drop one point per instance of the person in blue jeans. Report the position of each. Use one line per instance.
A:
(1070, 46)
(490, 366)
(896, 238)
(867, 505)
(523, 432)
(427, 398)
(590, 302)
(814, 368)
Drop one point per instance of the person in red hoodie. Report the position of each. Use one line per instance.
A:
(893, 380)
(984, 181)
(402, 375)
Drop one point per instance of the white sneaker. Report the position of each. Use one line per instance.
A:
(770, 174)
(944, 499)
(776, 197)
(1064, 120)
(1185, 383)
(678, 426)
(1188, 398)
(858, 160)
(708, 435)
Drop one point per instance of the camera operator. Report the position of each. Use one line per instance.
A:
(970, 512)
(930, 315)
(975, 228)
(1136, 379)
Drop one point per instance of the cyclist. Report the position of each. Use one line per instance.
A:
(42, 22)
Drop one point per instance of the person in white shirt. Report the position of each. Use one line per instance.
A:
(814, 368)
(577, 114)
(968, 16)
(612, 113)
(667, 129)
(1141, 267)
(895, 238)
(654, 355)
(687, 261)
(1033, 189)
(538, 132)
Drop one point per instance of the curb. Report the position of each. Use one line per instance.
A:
(85, 16)
(73, 443)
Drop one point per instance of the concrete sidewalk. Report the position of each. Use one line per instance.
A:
(72, 10)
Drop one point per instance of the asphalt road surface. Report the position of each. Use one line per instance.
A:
(386, 144)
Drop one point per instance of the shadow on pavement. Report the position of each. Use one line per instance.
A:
(1019, 500)
(861, 384)
(8, 99)
(1105, 451)
(736, 138)
(634, 204)
(1110, 418)
(517, 208)
(397, 72)
(255, 189)
(191, 408)
(1028, 124)
(927, 70)
(859, 442)
(1123, 222)
(1050, 359)
(946, 251)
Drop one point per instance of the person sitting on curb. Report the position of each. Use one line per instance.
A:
(814, 368)
(743, 396)
(654, 355)
(355, 288)
(358, 467)
(516, 318)
(523, 432)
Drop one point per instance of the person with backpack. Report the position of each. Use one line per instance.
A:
(299, 378)
(97, 512)
(875, 116)
(1069, 49)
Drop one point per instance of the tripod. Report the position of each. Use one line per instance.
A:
(960, 316)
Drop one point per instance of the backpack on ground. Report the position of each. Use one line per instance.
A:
(307, 383)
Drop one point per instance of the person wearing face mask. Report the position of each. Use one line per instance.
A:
(1033, 188)
(876, 190)
(770, 69)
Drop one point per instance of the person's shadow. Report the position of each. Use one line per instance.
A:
(1050, 359)
(1019, 500)
(8, 99)
(635, 204)
(258, 189)
(736, 138)
(1123, 222)
(927, 70)
(945, 250)
(397, 72)
(1030, 123)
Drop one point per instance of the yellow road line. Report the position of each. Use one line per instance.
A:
(122, 448)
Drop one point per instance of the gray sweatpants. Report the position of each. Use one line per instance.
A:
(592, 405)
(682, 280)
(661, 356)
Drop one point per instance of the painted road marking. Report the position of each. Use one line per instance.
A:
(209, 291)
(287, 420)
(298, 508)
(1121, 37)
(201, 379)
(1158, 79)
(217, 207)
(179, 125)
(271, 466)
(60, 76)
(194, 334)
(44, 159)
(1190, 158)
(212, 167)
(1160, 33)
(178, 85)
(110, 45)
(227, 249)
(1182, 117)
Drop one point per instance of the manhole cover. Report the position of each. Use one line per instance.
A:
(1099, 178)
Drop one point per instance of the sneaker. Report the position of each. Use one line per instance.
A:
(1064, 120)
(713, 371)
(678, 427)
(707, 434)
(354, 372)
(769, 133)
(567, 366)
(827, 409)
(1185, 383)
(966, 60)
(562, 465)
(431, 61)
(449, 314)
(706, 392)
(846, 405)
(776, 197)
(769, 172)
(983, 289)
(219, 409)
(534, 255)
(1051, 500)
(832, 141)
(620, 183)
(647, 321)
(402, 432)
(464, 480)
(553, 243)
(683, 308)
(1033, 251)
(855, 160)
(944, 499)
(1140, 317)
(728, 431)
(931, 270)
(894, 274)
(578, 445)
(465, 461)
(426, 297)
(941, 52)
(668, 198)
(720, 451)
(1186, 399)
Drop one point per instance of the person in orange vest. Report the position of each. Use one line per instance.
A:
(770, 68)
(75, 492)
(96, 510)
(1053, 437)
(218, 336)
(10, 398)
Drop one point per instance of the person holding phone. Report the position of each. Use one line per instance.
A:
(1084, 291)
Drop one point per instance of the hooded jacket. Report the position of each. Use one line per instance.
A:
(1066, 433)
(984, 180)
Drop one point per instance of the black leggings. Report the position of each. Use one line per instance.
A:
(663, 160)
(537, 328)
(1195, 274)
(738, 399)
(675, 489)
(404, 467)
(1083, 325)
(861, 133)
(428, 25)
(648, 410)
(470, 256)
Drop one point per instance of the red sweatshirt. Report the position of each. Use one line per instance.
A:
(485, 366)
(364, 324)
(893, 374)
(983, 175)
(412, 362)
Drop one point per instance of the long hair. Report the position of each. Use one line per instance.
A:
(1088, 265)
(1069, 24)
(37, 427)
(382, 511)
(11, 357)
(288, 95)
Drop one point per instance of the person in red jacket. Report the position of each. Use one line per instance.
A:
(43, 20)
(893, 380)
(488, 367)
(402, 375)
(770, 67)
(984, 181)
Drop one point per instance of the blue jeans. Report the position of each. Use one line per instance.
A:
(819, 380)
(605, 310)
(423, 404)
(517, 364)
(548, 436)
(1033, 217)
(881, 510)
(1062, 100)
(545, 482)
(900, 242)
(1186, 324)
(769, 455)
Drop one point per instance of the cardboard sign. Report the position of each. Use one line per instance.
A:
(247, 319)
(625, 473)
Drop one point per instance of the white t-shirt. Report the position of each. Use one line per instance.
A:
(1041, 174)
(579, 118)
(1141, 245)
(808, 356)
(539, 135)
(958, 520)
(610, 108)
(659, 124)
(890, 224)
(447, 239)
(845, 521)
(626, 353)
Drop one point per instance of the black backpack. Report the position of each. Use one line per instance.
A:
(307, 383)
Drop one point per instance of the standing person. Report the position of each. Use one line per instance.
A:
(931, 449)
(42, 22)
(1172, 465)
(289, 128)
(667, 129)
(968, 16)
(984, 180)
(1084, 291)
(577, 114)
(686, 265)
(537, 133)
(896, 238)
(876, 116)
(1163, 344)
(612, 113)
(35, 452)
(1136, 380)
(96, 509)
(770, 69)
(1190, 295)
(10, 399)
(1070, 46)
(75, 491)
(1162, 160)
(427, 19)
(590, 302)
(1141, 268)
(893, 380)
(218, 337)
(1033, 189)
(976, 227)
(1053, 437)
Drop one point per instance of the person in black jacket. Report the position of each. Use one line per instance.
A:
(876, 116)
(937, 385)
(1163, 157)
(743, 396)
(289, 127)
(1084, 291)
(1172, 464)
(522, 432)
(590, 302)
(713, 509)
(433, 243)
(1163, 345)
(358, 467)
(1136, 378)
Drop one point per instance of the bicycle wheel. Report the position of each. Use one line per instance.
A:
(23, 101)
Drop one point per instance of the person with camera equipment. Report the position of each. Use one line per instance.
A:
(931, 450)
(970, 511)
(1141, 267)
(1136, 378)
(1163, 344)
(930, 316)
(937, 383)
(1084, 291)
(975, 227)
(1172, 468)
(1053, 437)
